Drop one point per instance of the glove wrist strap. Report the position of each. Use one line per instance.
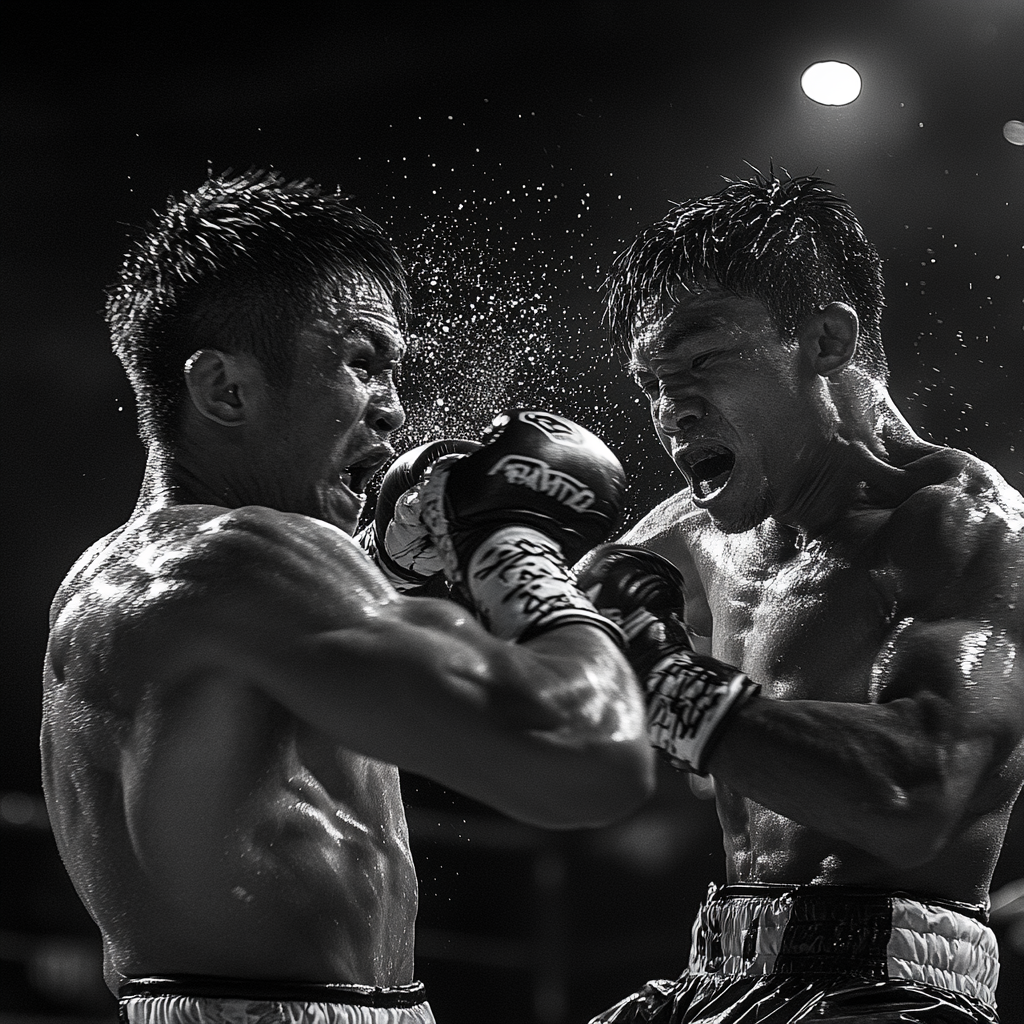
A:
(521, 587)
(689, 697)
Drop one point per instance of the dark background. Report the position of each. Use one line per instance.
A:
(511, 150)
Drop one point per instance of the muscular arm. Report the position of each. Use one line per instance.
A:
(895, 778)
(939, 741)
(550, 732)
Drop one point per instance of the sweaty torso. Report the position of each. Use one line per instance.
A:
(207, 830)
(814, 623)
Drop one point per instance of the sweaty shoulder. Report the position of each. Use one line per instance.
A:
(168, 578)
(956, 543)
(669, 526)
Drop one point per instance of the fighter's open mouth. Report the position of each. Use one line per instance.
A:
(357, 476)
(709, 470)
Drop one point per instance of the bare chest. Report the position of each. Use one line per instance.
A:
(806, 624)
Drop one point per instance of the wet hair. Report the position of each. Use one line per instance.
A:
(794, 245)
(239, 265)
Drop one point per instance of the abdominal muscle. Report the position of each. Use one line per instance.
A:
(762, 846)
(270, 854)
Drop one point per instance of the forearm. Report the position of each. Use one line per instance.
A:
(549, 731)
(584, 682)
(874, 776)
(580, 726)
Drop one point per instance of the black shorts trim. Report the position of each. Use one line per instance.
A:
(976, 911)
(208, 986)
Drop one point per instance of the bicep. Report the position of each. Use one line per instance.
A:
(296, 610)
(397, 681)
(418, 682)
(953, 652)
(961, 685)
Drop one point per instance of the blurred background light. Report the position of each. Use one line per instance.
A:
(831, 82)
(1013, 132)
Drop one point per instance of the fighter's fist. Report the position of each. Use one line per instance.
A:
(643, 593)
(689, 695)
(397, 539)
(508, 517)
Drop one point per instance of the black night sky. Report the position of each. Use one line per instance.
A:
(510, 151)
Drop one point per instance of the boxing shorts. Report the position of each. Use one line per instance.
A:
(201, 999)
(826, 953)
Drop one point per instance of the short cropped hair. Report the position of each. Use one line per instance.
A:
(239, 265)
(793, 244)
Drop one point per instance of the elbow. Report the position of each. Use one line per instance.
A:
(584, 762)
(618, 790)
(915, 827)
(602, 788)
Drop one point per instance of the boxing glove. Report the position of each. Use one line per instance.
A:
(689, 695)
(396, 539)
(509, 517)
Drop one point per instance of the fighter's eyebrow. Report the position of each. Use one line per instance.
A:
(387, 343)
(671, 337)
(688, 327)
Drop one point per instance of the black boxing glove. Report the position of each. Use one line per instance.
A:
(397, 540)
(508, 518)
(689, 695)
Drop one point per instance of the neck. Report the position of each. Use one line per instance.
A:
(822, 498)
(860, 467)
(172, 480)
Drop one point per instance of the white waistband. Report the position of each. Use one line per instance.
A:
(874, 935)
(167, 1009)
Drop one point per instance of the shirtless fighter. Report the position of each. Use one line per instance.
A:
(231, 681)
(826, 621)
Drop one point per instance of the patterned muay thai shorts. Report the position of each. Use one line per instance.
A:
(197, 999)
(775, 955)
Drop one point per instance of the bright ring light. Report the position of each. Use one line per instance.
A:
(831, 83)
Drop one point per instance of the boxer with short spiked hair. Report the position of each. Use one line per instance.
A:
(794, 245)
(231, 684)
(238, 265)
(853, 597)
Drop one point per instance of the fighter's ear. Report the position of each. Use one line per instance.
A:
(220, 385)
(828, 339)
